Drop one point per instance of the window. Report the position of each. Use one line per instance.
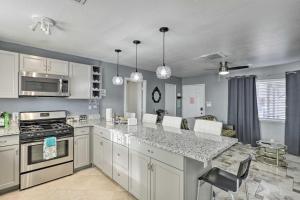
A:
(271, 99)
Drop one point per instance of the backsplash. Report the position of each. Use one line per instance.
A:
(47, 104)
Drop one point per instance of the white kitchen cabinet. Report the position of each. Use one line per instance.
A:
(120, 165)
(139, 175)
(80, 75)
(55, 66)
(102, 154)
(31, 63)
(166, 182)
(82, 151)
(9, 173)
(9, 62)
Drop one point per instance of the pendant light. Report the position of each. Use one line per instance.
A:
(163, 71)
(117, 80)
(136, 76)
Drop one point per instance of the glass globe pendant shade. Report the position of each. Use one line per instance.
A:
(136, 76)
(163, 72)
(117, 80)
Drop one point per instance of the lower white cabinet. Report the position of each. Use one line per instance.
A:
(139, 175)
(150, 179)
(81, 151)
(166, 182)
(9, 173)
(120, 165)
(102, 154)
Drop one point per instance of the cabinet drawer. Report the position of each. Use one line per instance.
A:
(158, 154)
(81, 131)
(120, 155)
(9, 140)
(103, 132)
(120, 175)
(120, 138)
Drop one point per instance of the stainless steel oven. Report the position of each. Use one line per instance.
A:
(32, 154)
(38, 84)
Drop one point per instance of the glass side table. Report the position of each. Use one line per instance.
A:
(271, 153)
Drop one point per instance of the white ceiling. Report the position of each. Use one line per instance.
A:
(258, 32)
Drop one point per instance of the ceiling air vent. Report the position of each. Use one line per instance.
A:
(82, 2)
(213, 56)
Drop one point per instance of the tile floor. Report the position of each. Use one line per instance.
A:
(88, 184)
(264, 182)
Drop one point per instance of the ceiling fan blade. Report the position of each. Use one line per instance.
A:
(238, 67)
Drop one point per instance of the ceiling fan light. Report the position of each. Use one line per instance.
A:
(223, 73)
(163, 72)
(117, 80)
(136, 77)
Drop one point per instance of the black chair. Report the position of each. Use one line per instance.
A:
(227, 181)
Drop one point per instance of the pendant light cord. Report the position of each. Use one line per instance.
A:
(163, 48)
(118, 64)
(136, 57)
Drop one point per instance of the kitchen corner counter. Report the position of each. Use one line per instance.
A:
(12, 130)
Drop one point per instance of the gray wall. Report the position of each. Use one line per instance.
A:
(114, 96)
(216, 91)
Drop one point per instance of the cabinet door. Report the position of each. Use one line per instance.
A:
(9, 62)
(97, 151)
(107, 157)
(31, 63)
(59, 67)
(82, 153)
(80, 81)
(166, 182)
(139, 175)
(9, 173)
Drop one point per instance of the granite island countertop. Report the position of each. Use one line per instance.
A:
(202, 147)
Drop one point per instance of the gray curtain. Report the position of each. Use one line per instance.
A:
(292, 122)
(242, 108)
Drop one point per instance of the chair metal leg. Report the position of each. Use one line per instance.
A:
(231, 194)
(246, 190)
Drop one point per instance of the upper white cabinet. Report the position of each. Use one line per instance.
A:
(31, 63)
(55, 66)
(43, 65)
(80, 75)
(9, 62)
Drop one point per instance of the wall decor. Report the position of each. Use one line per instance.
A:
(156, 95)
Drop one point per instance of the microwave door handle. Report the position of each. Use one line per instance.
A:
(60, 87)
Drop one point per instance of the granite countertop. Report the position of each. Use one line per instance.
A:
(198, 146)
(12, 130)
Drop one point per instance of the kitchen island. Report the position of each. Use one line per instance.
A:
(155, 162)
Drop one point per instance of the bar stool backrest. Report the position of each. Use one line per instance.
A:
(244, 168)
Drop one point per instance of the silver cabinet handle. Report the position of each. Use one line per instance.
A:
(118, 154)
(119, 174)
(101, 143)
(17, 152)
(149, 166)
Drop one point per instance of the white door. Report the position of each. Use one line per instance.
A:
(193, 100)
(31, 63)
(170, 99)
(166, 182)
(139, 175)
(59, 67)
(9, 64)
(80, 75)
(9, 173)
(82, 151)
(107, 166)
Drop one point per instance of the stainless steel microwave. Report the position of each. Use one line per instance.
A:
(38, 84)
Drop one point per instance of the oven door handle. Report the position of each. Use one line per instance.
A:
(37, 143)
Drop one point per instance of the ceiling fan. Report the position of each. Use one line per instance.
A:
(224, 69)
